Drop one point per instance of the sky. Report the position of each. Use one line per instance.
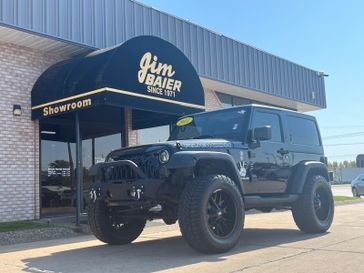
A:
(323, 35)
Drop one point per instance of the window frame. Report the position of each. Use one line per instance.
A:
(311, 119)
(280, 120)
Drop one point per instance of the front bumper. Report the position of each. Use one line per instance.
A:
(123, 181)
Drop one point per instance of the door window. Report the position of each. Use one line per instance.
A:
(262, 119)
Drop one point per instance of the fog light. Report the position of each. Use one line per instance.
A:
(164, 156)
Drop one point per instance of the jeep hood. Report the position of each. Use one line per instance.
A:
(173, 146)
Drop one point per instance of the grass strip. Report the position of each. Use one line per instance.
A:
(21, 225)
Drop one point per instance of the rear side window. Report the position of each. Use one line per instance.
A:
(263, 118)
(303, 131)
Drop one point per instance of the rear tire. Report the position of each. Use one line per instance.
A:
(314, 210)
(211, 214)
(107, 230)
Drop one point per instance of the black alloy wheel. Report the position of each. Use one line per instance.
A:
(321, 202)
(221, 211)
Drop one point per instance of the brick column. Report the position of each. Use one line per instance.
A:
(20, 67)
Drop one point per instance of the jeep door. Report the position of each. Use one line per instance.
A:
(269, 161)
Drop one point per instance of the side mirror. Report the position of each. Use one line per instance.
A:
(262, 133)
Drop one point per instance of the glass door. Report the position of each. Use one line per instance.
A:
(57, 177)
(58, 183)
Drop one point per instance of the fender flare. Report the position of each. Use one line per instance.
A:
(190, 159)
(301, 171)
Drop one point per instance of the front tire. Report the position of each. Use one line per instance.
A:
(314, 210)
(355, 192)
(109, 231)
(211, 214)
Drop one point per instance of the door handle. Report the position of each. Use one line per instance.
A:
(282, 151)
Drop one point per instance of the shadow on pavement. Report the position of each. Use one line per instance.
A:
(154, 255)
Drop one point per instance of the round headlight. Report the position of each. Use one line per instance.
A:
(164, 156)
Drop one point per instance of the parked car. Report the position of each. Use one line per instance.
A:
(357, 186)
(215, 166)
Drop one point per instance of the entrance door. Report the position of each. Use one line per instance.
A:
(57, 176)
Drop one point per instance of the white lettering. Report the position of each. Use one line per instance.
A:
(158, 76)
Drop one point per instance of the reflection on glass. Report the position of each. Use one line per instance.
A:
(153, 135)
(104, 145)
(86, 163)
(58, 162)
(57, 176)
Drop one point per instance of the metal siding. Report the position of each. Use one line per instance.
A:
(213, 55)
(104, 23)
(194, 52)
(207, 54)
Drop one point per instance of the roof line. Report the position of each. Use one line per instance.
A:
(47, 36)
(220, 34)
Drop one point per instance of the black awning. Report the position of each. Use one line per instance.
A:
(145, 73)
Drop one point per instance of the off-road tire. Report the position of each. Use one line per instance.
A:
(194, 209)
(104, 228)
(308, 216)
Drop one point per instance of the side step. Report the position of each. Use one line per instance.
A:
(263, 202)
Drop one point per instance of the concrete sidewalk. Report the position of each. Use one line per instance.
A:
(269, 243)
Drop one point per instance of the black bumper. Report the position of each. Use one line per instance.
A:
(123, 181)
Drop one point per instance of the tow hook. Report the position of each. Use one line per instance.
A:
(136, 192)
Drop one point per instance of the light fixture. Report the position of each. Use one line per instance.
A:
(48, 132)
(17, 110)
(321, 74)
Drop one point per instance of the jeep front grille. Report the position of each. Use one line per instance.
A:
(119, 174)
(148, 163)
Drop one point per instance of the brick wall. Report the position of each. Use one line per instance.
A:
(211, 100)
(19, 136)
(133, 136)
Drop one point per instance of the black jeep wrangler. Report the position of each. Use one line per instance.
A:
(214, 167)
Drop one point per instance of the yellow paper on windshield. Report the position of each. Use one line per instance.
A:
(184, 121)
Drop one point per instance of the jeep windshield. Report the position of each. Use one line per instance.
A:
(227, 124)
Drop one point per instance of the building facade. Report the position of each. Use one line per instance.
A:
(37, 169)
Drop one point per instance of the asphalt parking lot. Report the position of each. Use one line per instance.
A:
(269, 243)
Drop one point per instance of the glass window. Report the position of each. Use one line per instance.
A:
(153, 135)
(104, 145)
(226, 100)
(262, 119)
(57, 176)
(240, 101)
(303, 131)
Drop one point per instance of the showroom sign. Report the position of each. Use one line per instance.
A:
(157, 76)
(145, 72)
